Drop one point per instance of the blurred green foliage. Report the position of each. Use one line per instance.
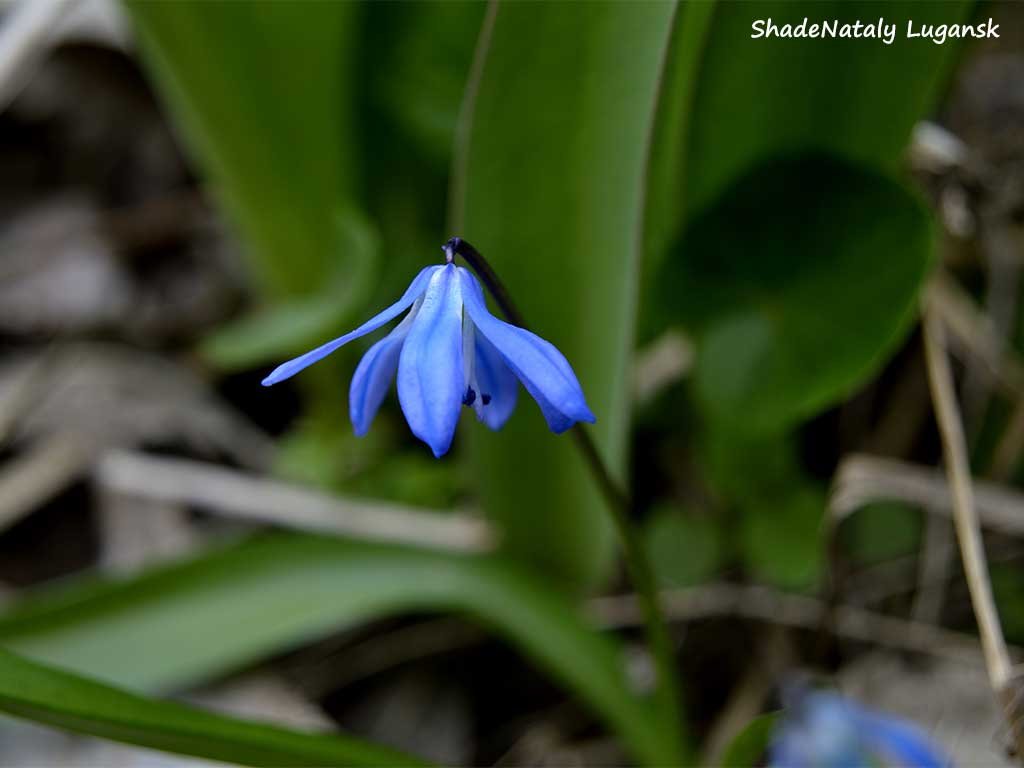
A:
(882, 531)
(1008, 586)
(750, 746)
(805, 299)
(570, 162)
(627, 167)
(685, 550)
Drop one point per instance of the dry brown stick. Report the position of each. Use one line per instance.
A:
(798, 611)
(968, 529)
(21, 391)
(862, 479)
(231, 493)
(973, 333)
(47, 467)
(709, 601)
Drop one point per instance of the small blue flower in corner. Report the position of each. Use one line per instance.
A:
(450, 351)
(821, 728)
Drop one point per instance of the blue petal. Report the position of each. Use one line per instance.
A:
(413, 292)
(496, 381)
(789, 750)
(431, 379)
(373, 376)
(544, 371)
(899, 743)
(819, 730)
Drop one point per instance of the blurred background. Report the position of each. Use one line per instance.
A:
(730, 239)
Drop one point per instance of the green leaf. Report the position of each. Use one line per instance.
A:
(224, 610)
(550, 186)
(882, 531)
(777, 278)
(684, 550)
(780, 509)
(747, 750)
(425, 52)
(759, 98)
(263, 94)
(1008, 586)
(732, 106)
(54, 697)
(781, 538)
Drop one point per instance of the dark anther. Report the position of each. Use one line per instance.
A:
(470, 397)
(486, 399)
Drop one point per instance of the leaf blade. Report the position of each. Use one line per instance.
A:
(550, 179)
(236, 74)
(63, 700)
(230, 608)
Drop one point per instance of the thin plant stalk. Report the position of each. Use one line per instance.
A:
(965, 519)
(620, 505)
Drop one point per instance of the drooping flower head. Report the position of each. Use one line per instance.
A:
(821, 729)
(450, 351)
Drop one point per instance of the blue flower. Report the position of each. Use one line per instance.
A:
(449, 351)
(825, 730)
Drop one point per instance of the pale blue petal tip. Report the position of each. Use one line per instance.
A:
(825, 729)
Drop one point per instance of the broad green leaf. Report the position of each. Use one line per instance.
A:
(58, 698)
(262, 91)
(801, 282)
(732, 106)
(759, 98)
(733, 102)
(550, 187)
(187, 623)
(748, 749)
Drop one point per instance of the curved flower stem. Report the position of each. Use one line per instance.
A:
(620, 504)
(459, 247)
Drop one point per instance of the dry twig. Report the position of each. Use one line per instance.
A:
(798, 611)
(48, 466)
(861, 480)
(237, 494)
(968, 529)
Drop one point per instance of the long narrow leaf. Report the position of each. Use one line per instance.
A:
(51, 696)
(262, 93)
(188, 623)
(550, 183)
